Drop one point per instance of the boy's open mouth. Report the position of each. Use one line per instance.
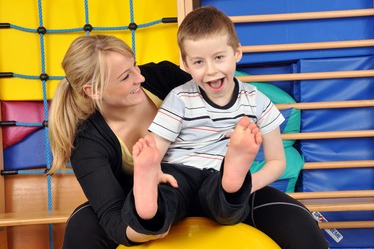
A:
(216, 84)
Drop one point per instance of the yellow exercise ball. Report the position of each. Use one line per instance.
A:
(203, 233)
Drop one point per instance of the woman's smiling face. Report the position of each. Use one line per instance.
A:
(124, 85)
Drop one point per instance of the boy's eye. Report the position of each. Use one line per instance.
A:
(219, 57)
(197, 62)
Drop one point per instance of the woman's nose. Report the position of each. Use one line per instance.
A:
(139, 77)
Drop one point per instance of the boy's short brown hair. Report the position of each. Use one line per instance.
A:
(204, 22)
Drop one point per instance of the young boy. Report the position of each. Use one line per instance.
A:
(212, 126)
(195, 121)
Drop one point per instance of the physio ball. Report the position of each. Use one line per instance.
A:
(203, 233)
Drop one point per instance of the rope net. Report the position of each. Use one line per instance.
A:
(42, 31)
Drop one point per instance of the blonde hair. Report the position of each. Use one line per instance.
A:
(205, 22)
(84, 63)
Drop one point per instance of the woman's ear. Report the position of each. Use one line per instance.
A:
(87, 89)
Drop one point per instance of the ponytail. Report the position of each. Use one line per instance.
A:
(66, 111)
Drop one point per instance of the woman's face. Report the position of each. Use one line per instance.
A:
(124, 82)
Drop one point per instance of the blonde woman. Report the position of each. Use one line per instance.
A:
(99, 111)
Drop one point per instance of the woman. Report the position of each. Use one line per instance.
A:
(99, 111)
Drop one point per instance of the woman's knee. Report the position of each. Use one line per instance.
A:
(84, 231)
(286, 221)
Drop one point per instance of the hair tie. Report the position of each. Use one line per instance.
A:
(68, 80)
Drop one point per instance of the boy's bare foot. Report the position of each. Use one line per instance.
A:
(146, 169)
(244, 144)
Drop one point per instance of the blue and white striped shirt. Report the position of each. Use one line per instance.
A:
(197, 127)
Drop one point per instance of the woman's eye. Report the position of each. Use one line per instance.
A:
(126, 77)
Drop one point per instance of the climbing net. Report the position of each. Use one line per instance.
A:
(41, 31)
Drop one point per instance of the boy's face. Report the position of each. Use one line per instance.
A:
(212, 64)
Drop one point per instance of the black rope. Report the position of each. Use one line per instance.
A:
(4, 25)
(8, 123)
(8, 172)
(6, 74)
(169, 20)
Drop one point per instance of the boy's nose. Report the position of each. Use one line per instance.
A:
(211, 69)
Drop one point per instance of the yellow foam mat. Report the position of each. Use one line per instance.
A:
(20, 51)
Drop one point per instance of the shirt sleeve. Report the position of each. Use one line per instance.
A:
(268, 115)
(169, 119)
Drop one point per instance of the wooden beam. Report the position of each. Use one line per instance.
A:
(308, 46)
(3, 231)
(339, 164)
(327, 105)
(346, 224)
(333, 194)
(302, 16)
(33, 218)
(184, 7)
(328, 135)
(341, 207)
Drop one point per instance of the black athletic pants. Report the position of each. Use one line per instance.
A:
(200, 193)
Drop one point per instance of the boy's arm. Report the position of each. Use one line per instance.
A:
(162, 144)
(275, 160)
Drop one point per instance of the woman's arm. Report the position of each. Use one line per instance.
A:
(162, 77)
(96, 161)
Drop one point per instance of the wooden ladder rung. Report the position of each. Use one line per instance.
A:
(339, 164)
(308, 46)
(301, 16)
(33, 218)
(333, 194)
(346, 224)
(15, 219)
(337, 201)
(327, 105)
(328, 135)
(339, 207)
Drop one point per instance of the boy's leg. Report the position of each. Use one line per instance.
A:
(244, 144)
(173, 204)
(285, 220)
(147, 167)
(216, 203)
(224, 195)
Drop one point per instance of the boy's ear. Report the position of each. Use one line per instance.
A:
(185, 66)
(87, 89)
(238, 53)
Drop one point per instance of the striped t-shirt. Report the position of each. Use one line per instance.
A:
(197, 127)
